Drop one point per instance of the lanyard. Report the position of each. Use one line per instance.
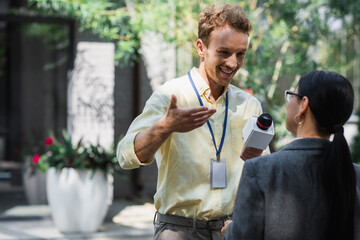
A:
(218, 151)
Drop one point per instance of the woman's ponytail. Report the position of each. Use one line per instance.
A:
(339, 179)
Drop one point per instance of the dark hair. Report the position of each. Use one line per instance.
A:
(218, 16)
(331, 100)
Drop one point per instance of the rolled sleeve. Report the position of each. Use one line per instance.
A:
(154, 109)
(125, 153)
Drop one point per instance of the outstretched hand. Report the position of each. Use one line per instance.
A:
(179, 119)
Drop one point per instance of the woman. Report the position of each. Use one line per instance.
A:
(310, 189)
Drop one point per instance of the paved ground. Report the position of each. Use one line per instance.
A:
(127, 219)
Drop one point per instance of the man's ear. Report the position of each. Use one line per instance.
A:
(200, 46)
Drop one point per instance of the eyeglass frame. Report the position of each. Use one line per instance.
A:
(288, 92)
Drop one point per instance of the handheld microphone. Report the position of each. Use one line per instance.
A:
(258, 131)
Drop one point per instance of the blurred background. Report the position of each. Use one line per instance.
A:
(88, 66)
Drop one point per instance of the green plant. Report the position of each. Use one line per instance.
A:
(103, 159)
(28, 150)
(64, 154)
(30, 144)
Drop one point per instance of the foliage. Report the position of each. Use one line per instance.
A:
(103, 159)
(64, 154)
(290, 37)
(55, 37)
(29, 150)
(30, 145)
(110, 20)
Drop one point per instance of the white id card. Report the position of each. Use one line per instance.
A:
(218, 173)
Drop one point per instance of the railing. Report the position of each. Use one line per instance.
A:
(10, 176)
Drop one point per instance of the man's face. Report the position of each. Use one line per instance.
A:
(224, 55)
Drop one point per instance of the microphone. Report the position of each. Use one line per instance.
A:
(258, 131)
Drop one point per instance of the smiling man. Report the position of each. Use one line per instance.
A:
(192, 126)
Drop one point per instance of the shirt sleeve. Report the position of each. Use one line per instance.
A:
(155, 108)
(253, 107)
(248, 217)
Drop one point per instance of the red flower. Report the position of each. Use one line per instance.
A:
(36, 158)
(49, 141)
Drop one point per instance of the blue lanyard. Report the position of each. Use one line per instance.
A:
(218, 151)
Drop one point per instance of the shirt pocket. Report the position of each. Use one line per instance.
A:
(237, 142)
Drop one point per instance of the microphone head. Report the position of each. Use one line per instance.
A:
(264, 121)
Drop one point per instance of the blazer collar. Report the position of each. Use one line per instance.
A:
(307, 143)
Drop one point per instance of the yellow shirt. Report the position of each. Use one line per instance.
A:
(183, 160)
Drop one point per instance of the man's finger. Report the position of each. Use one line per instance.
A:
(250, 152)
(202, 112)
(204, 117)
(254, 151)
(189, 112)
(173, 101)
(243, 157)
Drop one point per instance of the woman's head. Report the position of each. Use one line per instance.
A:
(330, 98)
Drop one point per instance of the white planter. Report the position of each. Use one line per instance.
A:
(34, 182)
(78, 201)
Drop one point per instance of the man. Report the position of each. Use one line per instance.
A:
(199, 164)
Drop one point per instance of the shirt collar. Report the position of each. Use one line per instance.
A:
(201, 85)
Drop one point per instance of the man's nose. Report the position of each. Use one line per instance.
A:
(232, 61)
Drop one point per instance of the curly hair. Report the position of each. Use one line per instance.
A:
(218, 16)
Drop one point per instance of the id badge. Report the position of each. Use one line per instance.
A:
(218, 173)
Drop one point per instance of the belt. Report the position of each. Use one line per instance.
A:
(191, 222)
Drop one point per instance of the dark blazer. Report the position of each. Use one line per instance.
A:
(278, 199)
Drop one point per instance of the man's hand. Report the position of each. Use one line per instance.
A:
(177, 119)
(250, 152)
(226, 224)
(185, 119)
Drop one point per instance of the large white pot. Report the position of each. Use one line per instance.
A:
(78, 200)
(34, 182)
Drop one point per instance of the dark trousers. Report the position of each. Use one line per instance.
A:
(171, 227)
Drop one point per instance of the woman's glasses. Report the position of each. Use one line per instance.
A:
(289, 94)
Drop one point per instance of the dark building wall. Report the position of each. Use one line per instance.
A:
(39, 97)
(139, 181)
(43, 91)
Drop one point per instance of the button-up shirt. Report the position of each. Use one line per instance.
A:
(183, 160)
